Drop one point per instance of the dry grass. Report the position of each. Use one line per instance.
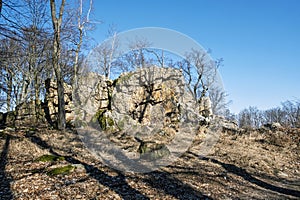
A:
(254, 164)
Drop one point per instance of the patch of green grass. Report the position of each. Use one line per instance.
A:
(61, 170)
(49, 158)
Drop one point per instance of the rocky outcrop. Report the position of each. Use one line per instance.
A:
(148, 107)
(7, 119)
(228, 126)
(92, 98)
(149, 96)
(38, 112)
(205, 108)
(26, 113)
(272, 126)
(31, 112)
(51, 101)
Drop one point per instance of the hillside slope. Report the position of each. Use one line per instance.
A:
(253, 164)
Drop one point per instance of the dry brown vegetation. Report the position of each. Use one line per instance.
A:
(252, 164)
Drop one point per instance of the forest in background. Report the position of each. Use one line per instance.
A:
(41, 39)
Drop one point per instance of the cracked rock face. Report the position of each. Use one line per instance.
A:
(91, 95)
(150, 117)
(52, 100)
(149, 97)
(153, 108)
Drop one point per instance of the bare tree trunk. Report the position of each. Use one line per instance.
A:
(76, 61)
(9, 91)
(61, 124)
(57, 21)
(80, 27)
(37, 101)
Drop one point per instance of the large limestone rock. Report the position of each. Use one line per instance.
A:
(205, 107)
(152, 104)
(149, 95)
(272, 126)
(51, 101)
(92, 96)
(29, 113)
(147, 111)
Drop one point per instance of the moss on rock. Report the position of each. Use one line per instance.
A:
(49, 158)
(153, 151)
(105, 122)
(61, 170)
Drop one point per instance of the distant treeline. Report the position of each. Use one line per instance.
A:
(287, 114)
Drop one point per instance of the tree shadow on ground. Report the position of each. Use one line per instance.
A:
(170, 185)
(5, 191)
(162, 181)
(250, 178)
(116, 183)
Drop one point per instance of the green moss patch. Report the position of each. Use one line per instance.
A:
(153, 152)
(104, 121)
(61, 170)
(97, 116)
(49, 158)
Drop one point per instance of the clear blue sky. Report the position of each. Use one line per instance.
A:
(258, 40)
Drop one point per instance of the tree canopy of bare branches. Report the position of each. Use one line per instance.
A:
(288, 115)
(33, 49)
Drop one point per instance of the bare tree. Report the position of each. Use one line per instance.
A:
(159, 56)
(130, 60)
(31, 37)
(229, 115)
(287, 115)
(12, 72)
(274, 115)
(83, 23)
(141, 55)
(102, 57)
(37, 50)
(199, 72)
(27, 50)
(138, 48)
(9, 22)
(56, 53)
(218, 98)
(292, 111)
(250, 117)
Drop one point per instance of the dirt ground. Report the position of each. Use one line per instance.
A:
(252, 164)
